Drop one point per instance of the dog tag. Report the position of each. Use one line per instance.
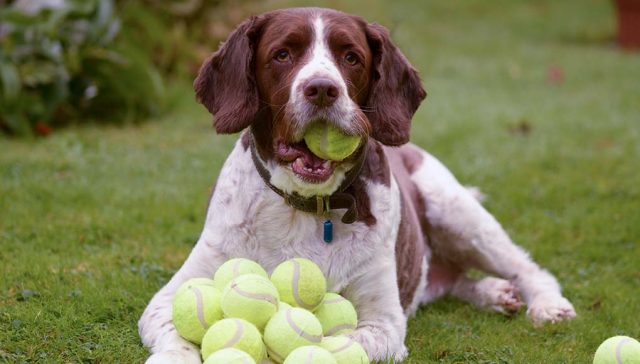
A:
(328, 231)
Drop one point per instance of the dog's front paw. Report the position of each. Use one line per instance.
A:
(550, 309)
(379, 345)
(175, 357)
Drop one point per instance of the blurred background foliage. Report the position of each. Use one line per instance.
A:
(79, 61)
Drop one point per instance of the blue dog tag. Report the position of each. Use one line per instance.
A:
(328, 231)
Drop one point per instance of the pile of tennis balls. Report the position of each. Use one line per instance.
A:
(244, 316)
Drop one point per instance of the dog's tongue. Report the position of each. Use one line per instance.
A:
(313, 161)
(305, 164)
(291, 152)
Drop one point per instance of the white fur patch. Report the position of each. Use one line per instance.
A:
(321, 64)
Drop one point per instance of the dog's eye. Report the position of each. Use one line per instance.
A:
(351, 58)
(282, 55)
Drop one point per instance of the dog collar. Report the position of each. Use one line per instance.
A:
(320, 205)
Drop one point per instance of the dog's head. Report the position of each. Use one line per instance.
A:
(281, 71)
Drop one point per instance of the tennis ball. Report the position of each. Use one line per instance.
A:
(300, 283)
(251, 297)
(230, 356)
(337, 315)
(283, 306)
(327, 141)
(290, 329)
(233, 333)
(195, 308)
(345, 350)
(194, 282)
(234, 268)
(310, 355)
(618, 350)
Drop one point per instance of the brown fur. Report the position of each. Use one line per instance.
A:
(226, 84)
(396, 90)
(411, 241)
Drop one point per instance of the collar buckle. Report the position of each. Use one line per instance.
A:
(322, 205)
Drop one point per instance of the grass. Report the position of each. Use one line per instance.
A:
(95, 219)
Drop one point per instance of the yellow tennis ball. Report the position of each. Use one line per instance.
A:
(300, 283)
(337, 315)
(230, 356)
(195, 282)
(345, 350)
(233, 333)
(310, 355)
(290, 329)
(251, 297)
(328, 142)
(618, 349)
(196, 306)
(283, 306)
(234, 268)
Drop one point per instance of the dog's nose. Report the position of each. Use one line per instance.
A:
(321, 92)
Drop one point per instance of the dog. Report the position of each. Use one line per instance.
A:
(404, 230)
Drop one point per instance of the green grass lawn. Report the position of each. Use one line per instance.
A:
(94, 220)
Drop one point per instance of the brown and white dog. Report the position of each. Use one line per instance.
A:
(404, 230)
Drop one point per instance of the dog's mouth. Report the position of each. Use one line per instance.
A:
(306, 165)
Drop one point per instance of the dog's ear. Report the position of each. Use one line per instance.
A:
(395, 92)
(226, 82)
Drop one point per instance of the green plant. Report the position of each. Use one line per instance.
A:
(179, 34)
(64, 64)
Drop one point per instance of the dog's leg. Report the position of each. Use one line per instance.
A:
(489, 293)
(465, 233)
(156, 326)
(381, 321)
(446, 278)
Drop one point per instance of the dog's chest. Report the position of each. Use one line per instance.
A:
(254, 222)
(271, 232)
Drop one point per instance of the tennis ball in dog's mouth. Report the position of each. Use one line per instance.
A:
(328, 142)
(618, 349)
